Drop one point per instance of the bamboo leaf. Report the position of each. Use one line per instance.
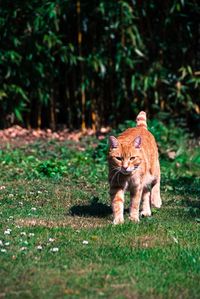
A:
(139, 53)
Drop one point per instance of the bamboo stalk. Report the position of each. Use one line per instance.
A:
(79, 37)
(52, 114)
(39, 116)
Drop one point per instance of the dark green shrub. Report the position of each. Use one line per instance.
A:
(83, 63)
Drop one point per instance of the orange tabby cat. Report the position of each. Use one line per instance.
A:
(134, 166)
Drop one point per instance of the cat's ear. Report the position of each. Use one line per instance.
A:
(113, 142)
(137, 142)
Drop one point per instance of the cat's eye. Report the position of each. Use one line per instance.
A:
(132, 158)
(118, 158)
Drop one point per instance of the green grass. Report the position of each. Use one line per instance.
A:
(56, 196)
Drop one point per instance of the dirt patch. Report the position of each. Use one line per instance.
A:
(74, 222)
(17, 136)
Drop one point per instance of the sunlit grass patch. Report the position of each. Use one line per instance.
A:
(74, 222)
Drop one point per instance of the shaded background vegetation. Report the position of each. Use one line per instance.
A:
(91, 63)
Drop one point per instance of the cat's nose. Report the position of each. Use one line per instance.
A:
(125, 167)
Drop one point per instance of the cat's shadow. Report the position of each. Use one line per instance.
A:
(94, 209)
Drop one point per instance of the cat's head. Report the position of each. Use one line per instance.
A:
(125, 156)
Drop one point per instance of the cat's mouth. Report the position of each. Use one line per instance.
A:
(126, 171)
(129, 171)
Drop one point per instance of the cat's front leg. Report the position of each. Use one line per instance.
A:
(117, 198)
(146, 209)
(135, 204)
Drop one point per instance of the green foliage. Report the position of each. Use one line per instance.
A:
(51, 168)
(60, 63)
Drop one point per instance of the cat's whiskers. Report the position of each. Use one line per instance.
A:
(116, 168)
(135, 168)
(118, 181)
(114, 176)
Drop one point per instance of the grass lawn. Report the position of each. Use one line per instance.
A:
(57, 237)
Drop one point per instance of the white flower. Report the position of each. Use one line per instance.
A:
(39, 247)
(18, 226)
(7, 231)
(23, 248)
(23, 233)
(1, 243)
(3, 250)
(85, 242)
(20, 203)
(31, 234)
(7, 244)
(11, 195)
(25, 243)
(55, 249)
(175, 240)
(39, 192)
(51, 240)
(2, 187)
(33, 209)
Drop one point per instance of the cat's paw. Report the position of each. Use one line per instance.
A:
(135, 219)
(118, 221)
(156, 202)
(145, 213)
(157, 205)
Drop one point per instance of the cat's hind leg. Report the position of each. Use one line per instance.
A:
(146, 208)
(155, 196)
(155, 191)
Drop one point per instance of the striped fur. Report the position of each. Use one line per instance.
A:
(134, 167)
(141, 120)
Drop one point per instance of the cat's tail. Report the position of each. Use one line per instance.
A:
(141, 120)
